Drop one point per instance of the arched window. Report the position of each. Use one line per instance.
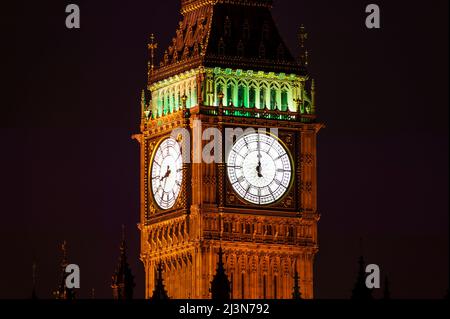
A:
(262, 98)
(273, 99)
(252, 97)
(230, 94)
(241, 96)
(188, 95)
(160, 104)
(284, 100)
(220, 87)
(173, 106)
(166, 103)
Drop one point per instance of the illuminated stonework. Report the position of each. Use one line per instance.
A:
(245, 89)
(223, 74)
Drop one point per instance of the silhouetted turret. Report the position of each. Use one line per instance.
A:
(360, 291)
(63, 292)
(160, 292)
(220, 285)
(296, 294)
(123, 280)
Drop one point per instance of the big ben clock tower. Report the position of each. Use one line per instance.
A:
(254, 195)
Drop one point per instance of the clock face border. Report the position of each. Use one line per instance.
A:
(149, 177)
(242, 202)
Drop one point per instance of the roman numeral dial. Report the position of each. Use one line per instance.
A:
(259, 168)
(166, 173)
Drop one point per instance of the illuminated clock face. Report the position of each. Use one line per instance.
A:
(167, 173)
(259, 168)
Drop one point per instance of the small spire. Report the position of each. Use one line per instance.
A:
(220, 285)
(143, 104)
(184, 99)
(296, 294)
(159, 293)
(221, 96)
(152, 46)
(302, 37)
(360, 290)
(64, 251)
(122, 246)
(63, 292)
(123, 279)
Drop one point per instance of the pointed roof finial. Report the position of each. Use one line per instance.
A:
(63, 292)
(302, 36)
(143, 97)
(220, 285)
(64, 253)
(123, 279)
(159, 293)
(360, 290)
(152, 46)
(296, 294)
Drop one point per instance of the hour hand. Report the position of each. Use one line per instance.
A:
(166, 175)
(258, 169)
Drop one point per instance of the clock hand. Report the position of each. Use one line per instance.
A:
(258, 169)
(164, 187)
(167, 174)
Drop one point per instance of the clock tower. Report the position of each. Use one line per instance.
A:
(254, 194)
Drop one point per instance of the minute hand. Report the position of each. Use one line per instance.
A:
(258, 168)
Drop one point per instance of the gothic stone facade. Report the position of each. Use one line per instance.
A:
(237, 74)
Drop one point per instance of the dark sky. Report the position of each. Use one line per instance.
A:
(69, 169)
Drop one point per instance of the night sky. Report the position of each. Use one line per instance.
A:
(70, 170)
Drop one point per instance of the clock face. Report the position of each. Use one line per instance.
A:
(166, 173)
(259, 168)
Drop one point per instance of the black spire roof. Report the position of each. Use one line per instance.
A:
(159, 293)
(296, 294)
(123, 280)
(226, 33)
(360, 291)
(220, 285)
